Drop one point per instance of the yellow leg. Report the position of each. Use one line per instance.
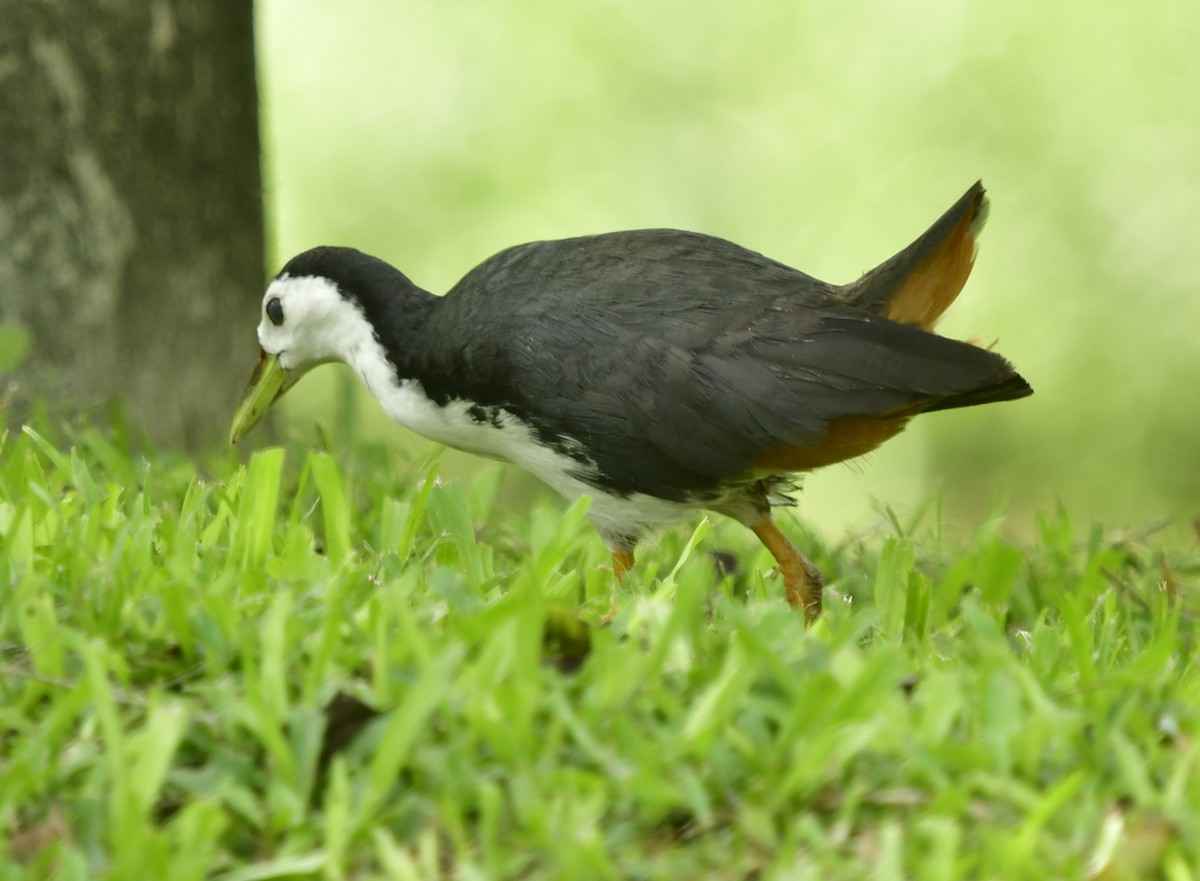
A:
(622, 563)
(800, 577)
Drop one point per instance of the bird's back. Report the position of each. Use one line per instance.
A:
(642, 277)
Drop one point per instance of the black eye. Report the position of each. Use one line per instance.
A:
(275, 311)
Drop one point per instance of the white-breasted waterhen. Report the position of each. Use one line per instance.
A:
(659, 371)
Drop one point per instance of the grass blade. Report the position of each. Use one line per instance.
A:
(335, 506)
(258, 505)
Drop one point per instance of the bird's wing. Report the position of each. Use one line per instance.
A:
(689, 417)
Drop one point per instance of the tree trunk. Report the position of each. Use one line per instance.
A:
(131, 232)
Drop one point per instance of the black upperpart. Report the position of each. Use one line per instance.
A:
(670, 360)
(673, 360)
(350, 268)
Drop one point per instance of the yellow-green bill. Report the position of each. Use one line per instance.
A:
(269, 381)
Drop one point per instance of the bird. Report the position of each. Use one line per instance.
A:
(658, 371)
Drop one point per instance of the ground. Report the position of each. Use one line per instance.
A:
(338, 666)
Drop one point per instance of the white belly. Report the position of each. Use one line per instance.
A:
(505, 437)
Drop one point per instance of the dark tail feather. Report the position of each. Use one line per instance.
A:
(1010, 388)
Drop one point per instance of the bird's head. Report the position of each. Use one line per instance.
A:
(319, 308)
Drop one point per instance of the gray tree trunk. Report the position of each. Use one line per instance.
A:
(131, 231)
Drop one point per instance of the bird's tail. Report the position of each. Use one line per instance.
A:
(917, 285)
(1008, 388)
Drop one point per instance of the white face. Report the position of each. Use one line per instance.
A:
(317, 323)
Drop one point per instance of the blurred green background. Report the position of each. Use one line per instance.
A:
(826, 135)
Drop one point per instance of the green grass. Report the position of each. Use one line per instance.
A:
(342, 668)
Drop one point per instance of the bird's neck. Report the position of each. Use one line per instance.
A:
(397, 343)
(404, 367)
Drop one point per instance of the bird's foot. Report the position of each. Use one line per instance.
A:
(804, 587)
(607, 617)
